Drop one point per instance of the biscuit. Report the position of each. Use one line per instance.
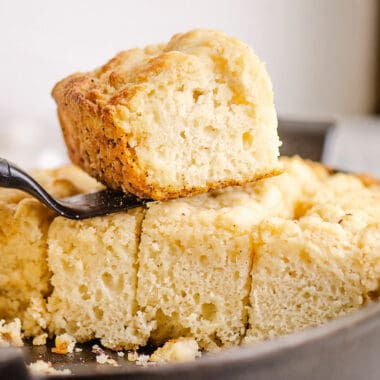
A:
(173, 120)
(318, 266)
(195, 256)
(94, 266)
(24, 273)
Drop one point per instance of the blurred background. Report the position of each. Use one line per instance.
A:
(322, 56)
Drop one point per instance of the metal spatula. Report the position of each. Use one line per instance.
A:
(77, 207)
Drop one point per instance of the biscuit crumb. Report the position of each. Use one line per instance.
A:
(40, 367)
(121, 354)
(176, 350)
(142, 360)
(96, 349)
(40, 340)
(132, 356)
(10, 333)
(112, 362)
(64, 344)
(102, 357)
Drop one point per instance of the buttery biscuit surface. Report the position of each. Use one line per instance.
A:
(173, 120)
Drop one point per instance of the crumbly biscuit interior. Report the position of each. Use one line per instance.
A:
(197, 110)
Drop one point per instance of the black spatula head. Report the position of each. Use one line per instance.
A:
(77, 207)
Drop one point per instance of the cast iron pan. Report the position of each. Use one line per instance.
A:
(344, 349)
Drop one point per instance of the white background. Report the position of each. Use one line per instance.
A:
(320, 54)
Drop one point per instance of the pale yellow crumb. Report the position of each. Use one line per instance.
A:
(132, 356)
(64, 344)
(96, 349)
(40, 367)
(142, 360)
(113, 362)
(10, 333)
(102, 357)
(40, 340)
(177, 350)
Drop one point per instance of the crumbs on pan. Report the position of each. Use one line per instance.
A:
(143, 360)
(132, 356)
(40, 340)
(64, 344)
(139, 359)
(40, 367)
(10, 333)
(176, 350)
(102, 357)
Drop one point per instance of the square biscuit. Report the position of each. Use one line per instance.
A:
(194, 262)
(174, 119)
(320, 265)
(94, 274)
(24, 273)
